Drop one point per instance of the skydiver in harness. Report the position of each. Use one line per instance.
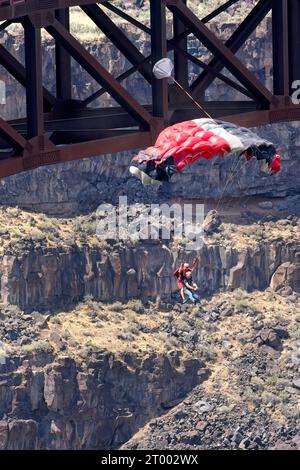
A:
(190, 288)
(181, 273)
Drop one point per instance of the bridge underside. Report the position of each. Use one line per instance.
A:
(59, 128)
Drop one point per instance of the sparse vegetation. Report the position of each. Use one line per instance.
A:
(19, 226)
(294, 330)
(39, 347)
(116, 327)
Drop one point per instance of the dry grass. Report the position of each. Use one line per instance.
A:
(83, 28)
(250, 236)
(225, 378)
(17, 225)
(95, 325)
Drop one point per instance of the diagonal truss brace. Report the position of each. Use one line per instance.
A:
(13, 137)
(234, 65)
(118, 38)
(99, 73)
(234, 43)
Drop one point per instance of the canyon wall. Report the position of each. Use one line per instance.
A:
(54, 279)
(50, 402)
(50, 399)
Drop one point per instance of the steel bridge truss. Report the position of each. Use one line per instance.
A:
(58, 129)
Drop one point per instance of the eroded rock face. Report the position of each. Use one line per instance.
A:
(250, 397)
(46, 402)
(212, 222)
(269, 337)
(54, 279)
(287, 275)
(98, 404)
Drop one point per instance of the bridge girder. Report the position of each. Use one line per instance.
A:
(58, 129)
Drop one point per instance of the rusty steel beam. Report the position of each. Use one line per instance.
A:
(122, 14)
(63, 61)
(204, 20)
(11, 166)
(99, 73)
(286, 43)
(28, 7)
(106, 146)
(118, 38)
(216, 109)
(120, 79)
(171, 46)
(234, 43)
(181, 66)
(234, 65)
(181, 37)
(219, 75)
(14, 165)
(34, 80)
(109, 119)
(158, 51)
(190, 57)
(11, 136)
(260, 118)
(219, 10)
(294, 39)
(281, 48)
(207, 18)
(88, 135)
(285, 47)
(277, 38)
(37, 6)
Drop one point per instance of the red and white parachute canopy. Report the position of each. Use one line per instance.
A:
(183, 144)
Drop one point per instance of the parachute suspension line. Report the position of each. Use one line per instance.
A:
(233, 176)
(163, 69)
(212, 165)
(233, 172)
(230, 172)
(234, 169)
(191, 98)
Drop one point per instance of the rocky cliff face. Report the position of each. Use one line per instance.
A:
(52, 279)
(81, 370)
(48, 403)
(92, 375)
(251, 398)
(64, 390)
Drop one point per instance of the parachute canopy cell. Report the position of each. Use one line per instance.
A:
(183, 144)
